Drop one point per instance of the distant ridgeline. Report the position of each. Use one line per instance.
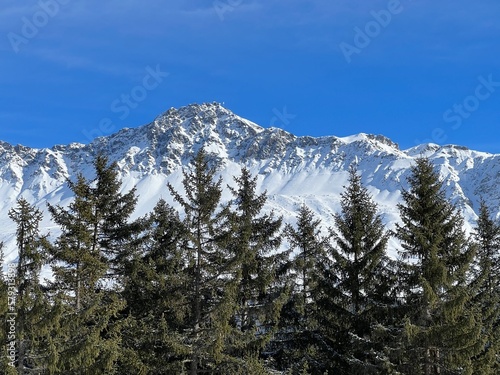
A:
(292, 169)
(204, 244)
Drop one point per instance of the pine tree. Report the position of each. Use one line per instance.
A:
(85, 260)
(441, 334)
(212, 289)
(486, 282)
(32, 306)
(358, 284)
(297, 341)
(156, 295)
(255, 264)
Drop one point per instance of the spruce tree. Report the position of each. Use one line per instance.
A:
(94, 241)
(486, 283)
(33, 319)
(440, 333)
(156, 295)
(358, 285)
(297, 341)
(212, 290)
(254, 239)
(113, 231)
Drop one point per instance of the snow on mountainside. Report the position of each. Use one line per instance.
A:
(292, 169)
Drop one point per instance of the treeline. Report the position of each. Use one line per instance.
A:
(223, 288)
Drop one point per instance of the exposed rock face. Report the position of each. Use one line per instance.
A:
(292, 169)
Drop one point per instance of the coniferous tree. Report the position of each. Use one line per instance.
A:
(253, 249)
(486, 283)
(95, 236)
(212, 290)
(78, 265)
(113, 229)
(440, 333)
(297, 341)
(33, 311)
(358, 285)
(156, 295)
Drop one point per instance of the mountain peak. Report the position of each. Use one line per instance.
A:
(196, 118)
(292, 169)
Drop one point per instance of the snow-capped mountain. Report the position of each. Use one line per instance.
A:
(292, 169)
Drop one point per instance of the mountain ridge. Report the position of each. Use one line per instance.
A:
(290, 168)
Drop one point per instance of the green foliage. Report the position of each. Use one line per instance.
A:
(357, 284)
(31, 304)
(211, 290)
(157, 297)
(486, 284)
(253, 241)
(296, 343)
(88, 251)
(207, 289)
(441, 334)
(113, 229)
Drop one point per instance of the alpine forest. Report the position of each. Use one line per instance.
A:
(209, 285)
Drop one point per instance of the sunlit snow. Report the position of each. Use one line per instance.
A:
(293, 170)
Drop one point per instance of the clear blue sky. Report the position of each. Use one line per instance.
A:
(413, 70)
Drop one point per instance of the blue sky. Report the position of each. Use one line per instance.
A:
(413, 70)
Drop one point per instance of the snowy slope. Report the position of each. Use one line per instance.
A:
(292, 169)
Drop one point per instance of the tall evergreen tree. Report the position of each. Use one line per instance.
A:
(212, 291)
(441, 334)
(486, 282)
(297, 341)
(255, 265)
(157, 298)
(113, 230)
(78, 265)
(32, 306)
(358, 285)
(94, 239)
